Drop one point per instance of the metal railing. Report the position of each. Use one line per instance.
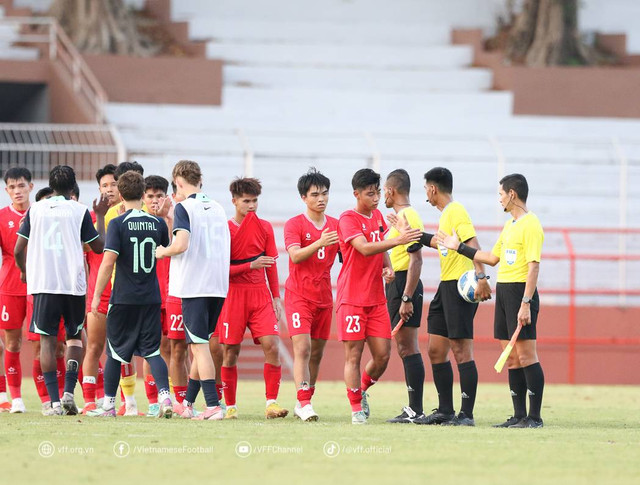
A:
(39, 147)
(46, 34)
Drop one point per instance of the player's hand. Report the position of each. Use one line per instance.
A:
(483, 291)
(121, 209)
(277, 308)
(407, 235)
(160, 252)
(101, 205)
(94, 305)
(388, 275)
(263, 262)
(450, 242)
(524, 314)
(23, 277)
(393, 220)
(328, 238)
(406, 310)
(162, 209)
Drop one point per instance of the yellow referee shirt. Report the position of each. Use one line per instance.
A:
(455, 219)
(399, 255)
(114, 212)
(519, 244)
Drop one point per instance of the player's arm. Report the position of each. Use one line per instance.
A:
(483, 290)
(179, 245)
(524, 314)
(474, 254)
(100, 208)
(426, 239)
(366, 248)
(104, 275)
(413, 276)
(299, 254)
(20, 249)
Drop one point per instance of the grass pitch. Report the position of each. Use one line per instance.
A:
(591, 435)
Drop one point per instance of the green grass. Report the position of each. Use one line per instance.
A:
(591, 435)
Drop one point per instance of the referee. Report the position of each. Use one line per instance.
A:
(404, 294)
(518, 250)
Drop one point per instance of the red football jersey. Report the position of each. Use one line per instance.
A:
(254, 237)
(360, 279)
(162, 271)
(311, 278)
(93, 261)
(10, 283)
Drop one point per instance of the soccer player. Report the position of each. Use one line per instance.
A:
(13, 292)
(55, 230)
(134, 321)
(518, 250)
(92, 378)
(251, 303)
(311, 240)
(450, 319)
(128, 371)
(362, 313)
(156, 200)
(38, 376)
(404, 293)
(199, 275)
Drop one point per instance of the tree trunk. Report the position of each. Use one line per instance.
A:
(546, 34)
(102, 27)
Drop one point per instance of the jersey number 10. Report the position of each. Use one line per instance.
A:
(140, 250)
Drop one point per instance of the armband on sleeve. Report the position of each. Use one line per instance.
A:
(467, 251)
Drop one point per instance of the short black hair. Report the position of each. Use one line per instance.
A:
(43, 193)
(109, 169)
(400, 180)
(156, 182)
(62, 179)
(440, 177)
(365, 177)
(17, 173)
(516, 182)
(312, 178)
(76, 190)
(126, 166)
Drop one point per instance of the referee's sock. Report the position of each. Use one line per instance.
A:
(518, 388)
(468, 386)
(414, 376)
(443, 379)
(535, 387)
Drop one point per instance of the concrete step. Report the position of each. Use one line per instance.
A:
(358, 79)
(19, 53)
(383, 57)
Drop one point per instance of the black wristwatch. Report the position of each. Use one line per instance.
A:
(481, 276)
(406, 298)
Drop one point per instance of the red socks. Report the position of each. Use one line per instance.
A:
(38, 379)
(272, 375)
(100, 383)
(355, 399)
(366, 381)
(180, 392)
(3, 383)
(60, 372)
(151, 389)
(304, 396)
(14, 373)
(229, 377)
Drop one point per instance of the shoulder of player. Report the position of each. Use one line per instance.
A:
(266, 225)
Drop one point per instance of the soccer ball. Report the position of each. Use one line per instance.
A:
(467, 285)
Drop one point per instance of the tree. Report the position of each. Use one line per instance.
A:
(545, 32)
(102, 27)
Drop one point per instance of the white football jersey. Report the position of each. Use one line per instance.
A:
(203, 269)
(56, 229)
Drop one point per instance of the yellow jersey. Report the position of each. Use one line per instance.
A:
(114, 211)
(399, 255)
(455, 219)
(519, 244)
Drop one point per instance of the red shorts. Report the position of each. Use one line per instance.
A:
(173, 321)
(358, 323)
(35, 337)
(103, 307)
(13, 310)
(305, 317)
(247, 306)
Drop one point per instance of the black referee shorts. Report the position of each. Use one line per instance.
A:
(508, 301)
(394, 292)
(449, 315)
